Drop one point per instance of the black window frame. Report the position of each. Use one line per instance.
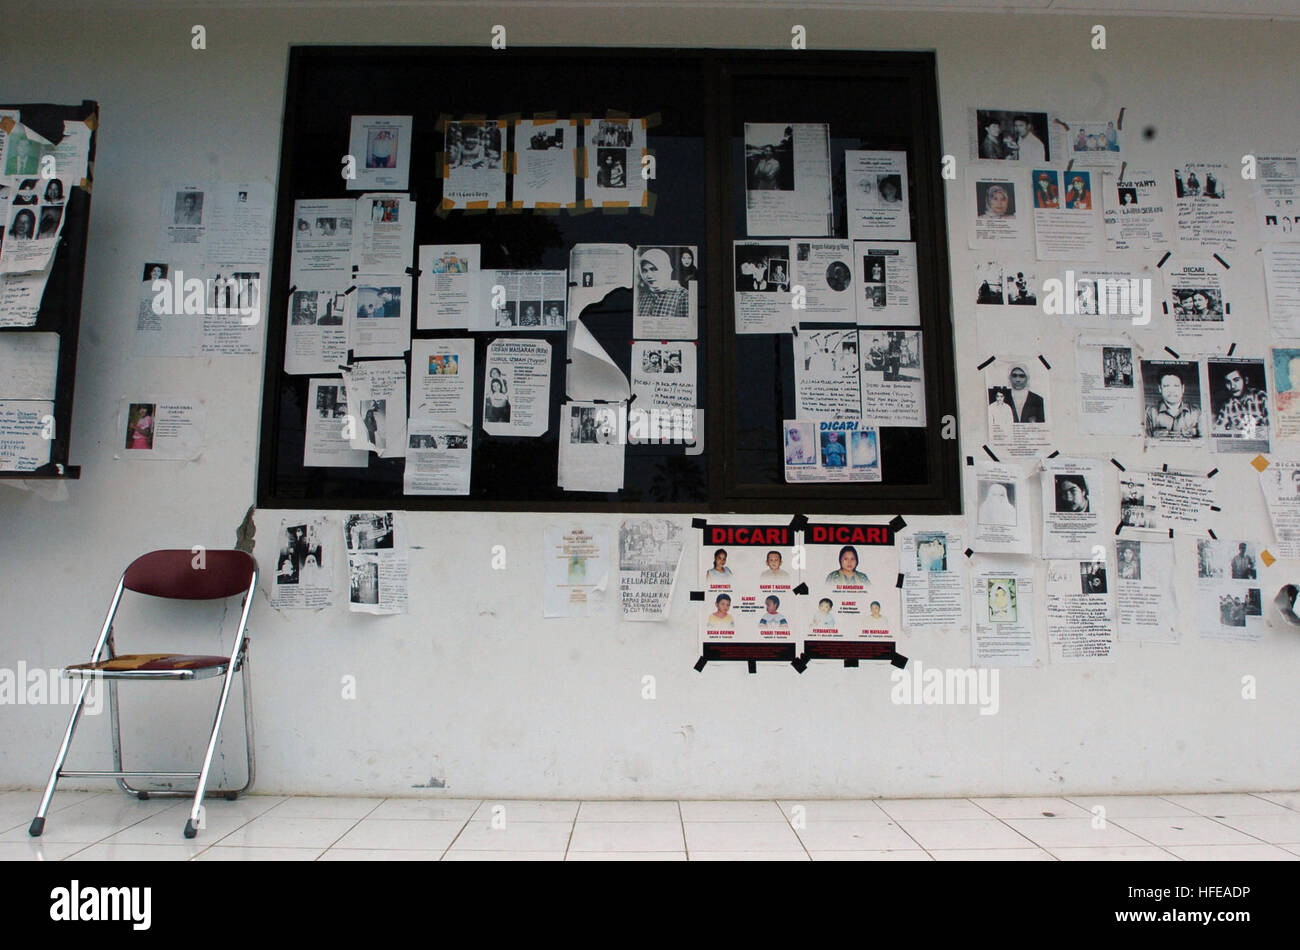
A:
(939, 493)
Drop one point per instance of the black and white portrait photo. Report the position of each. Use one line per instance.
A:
(1128, 555)
(996, 503)
(1117, 367)
(188, 212)
(762, 268)
(1072, 494)
(769, 159)
(1171, 392)
(1008, 135)
(1092, 577)
(367, 531)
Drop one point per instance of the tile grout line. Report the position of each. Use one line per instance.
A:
(456, 837)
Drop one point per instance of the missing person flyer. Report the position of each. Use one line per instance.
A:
(831, 450)
(852, 571)
(749, 576)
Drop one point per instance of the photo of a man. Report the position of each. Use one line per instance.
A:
(1173, 396)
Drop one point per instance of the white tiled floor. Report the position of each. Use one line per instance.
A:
(110, 826)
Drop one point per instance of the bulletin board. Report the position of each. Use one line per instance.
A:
(694, 100)
(60, 309)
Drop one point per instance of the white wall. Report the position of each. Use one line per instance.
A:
(472, 688)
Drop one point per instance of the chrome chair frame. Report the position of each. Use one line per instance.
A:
(238, 661)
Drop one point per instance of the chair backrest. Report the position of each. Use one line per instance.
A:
(172, 574)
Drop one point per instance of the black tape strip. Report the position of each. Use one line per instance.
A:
(699, 664)
(1232, 348)
(1119, 123)
(1226, 265)
(1118, 527)
(1043, 361)
(986, 362)
(989, 452)
(898, 660)
(753, 665)
(1161, 263)
(968, 552)
(1164, 305)
(969, 460)
(1211, 473)
(697, 595)
(850, 664)
(699, 522)
(1115, 462)
(1069, 165)
(794, 330)
(293, 288)
(899, 582)
(799, 664)
(897, 524)
(1164, 467)
(413, 271)
(1123, 167)
(1172, 353)
(801, 589)
(1210, 532)
(349, 290)
(1055, 453)
(1215, 508)
(799, 523)
(1171, 532)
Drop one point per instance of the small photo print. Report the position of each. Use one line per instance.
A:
(995, 199)
(381, 148)
(1007, 135)
(1072, 494)
(385, 210)
(1198, 304)
(864, 449)
(834, 452)
(139, 425)
(1078, 191)
(302, 312)
(1001, 599)
(364, 588)
(800, 447)
(1129, 556)
(665, 359)
(591, 425)
(1047, 188)
(997, 503)
(1092, 577)
(373, 416)
(300, 555)
(331, 402)
(611, 167)
(188, 212)
(1134, 512)
(762, 268)
(154, 272)
(444, 364)
(769, 157)
(543, 139)
(369, 531)
(1117, 367)
(988, 284)
(473, 145)
(615, 132)
(375, 303)
(931, 551)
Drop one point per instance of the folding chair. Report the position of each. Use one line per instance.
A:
(173, 575)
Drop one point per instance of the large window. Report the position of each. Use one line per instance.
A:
(697, 104)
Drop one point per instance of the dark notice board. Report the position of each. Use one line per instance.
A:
(60, 310)
(699, 101)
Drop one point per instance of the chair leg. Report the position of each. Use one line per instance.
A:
(192, 823)
(37, 826)
(248, 729)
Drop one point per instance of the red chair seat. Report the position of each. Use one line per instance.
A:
(154, 662)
